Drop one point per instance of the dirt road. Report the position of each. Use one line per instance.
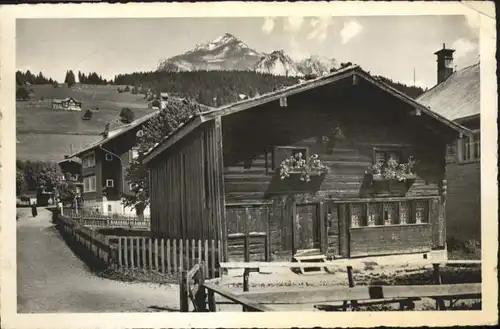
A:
(50, 278)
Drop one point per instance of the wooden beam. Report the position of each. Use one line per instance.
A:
(242, 300)
(339, 294)
(354, 80)
(336, 263)
(220, 187)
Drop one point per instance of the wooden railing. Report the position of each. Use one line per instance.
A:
(98, 220)
(147, 254)
(93, 242)
(194, 287)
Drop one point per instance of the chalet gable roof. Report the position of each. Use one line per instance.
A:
(348, 72)
(457, 97)
(115, 133)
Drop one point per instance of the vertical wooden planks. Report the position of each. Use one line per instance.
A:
(222, 235)
(344, 230)
(168, 256)
(206, 258)
(150, 253)
(174, 255)
(162, 248)
(156, 255)
(181, 255)
(125, 251)
(193, 253)
(212, 260)
(200, 252)
(143, 245)
(323, 241)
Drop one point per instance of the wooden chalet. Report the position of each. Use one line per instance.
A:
(457, 97)
(69, 104)
(104, 164)
(218, 175)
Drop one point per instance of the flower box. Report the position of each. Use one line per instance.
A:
(381, 178)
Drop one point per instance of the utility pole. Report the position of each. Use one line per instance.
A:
(413, 76)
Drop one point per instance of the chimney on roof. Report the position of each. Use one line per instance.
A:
(66, 156)
(444, 63)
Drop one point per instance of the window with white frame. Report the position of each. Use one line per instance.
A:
(89, 184)
(88, 160)
(110, 183)
(132, 155)
(469, 147)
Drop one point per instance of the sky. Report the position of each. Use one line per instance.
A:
(398, 47)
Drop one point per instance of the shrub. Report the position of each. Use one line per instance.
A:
(87, 115)
(120, 90)
(23, 94)
(126, 115)
(127, 89)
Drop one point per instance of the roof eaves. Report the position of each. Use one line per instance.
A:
(457, 127)
(120, 133)
(251, 102)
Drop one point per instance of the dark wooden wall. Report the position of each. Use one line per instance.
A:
(373, 120)
(95, 170)
(463, 205)
(186, 188)
(248, 136)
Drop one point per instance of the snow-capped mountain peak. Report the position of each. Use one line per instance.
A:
(316, 65)
(278, 63)
(227, 52)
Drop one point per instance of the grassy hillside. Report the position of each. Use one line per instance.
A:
(44, 133)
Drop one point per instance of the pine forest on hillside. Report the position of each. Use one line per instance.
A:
(212, 88)
(215, 88)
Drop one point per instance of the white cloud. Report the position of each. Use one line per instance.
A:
(319, 27)
(350, 30)
(268, 26)
(295, 52)
(293, 23)
(463, 47)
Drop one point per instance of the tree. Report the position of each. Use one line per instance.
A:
(20, 181)
(40, 175)
(87, 115)
(70, 78)
(22, 94)
(177, 111)
(126, 115)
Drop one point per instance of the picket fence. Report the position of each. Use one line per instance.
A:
(147, 254)
(166, 255)
(97, 220)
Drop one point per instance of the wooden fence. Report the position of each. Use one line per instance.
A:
(98, 220)
(194, 286)
(94, 243)
(167, 256)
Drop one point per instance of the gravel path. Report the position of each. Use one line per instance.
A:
(50, 278)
